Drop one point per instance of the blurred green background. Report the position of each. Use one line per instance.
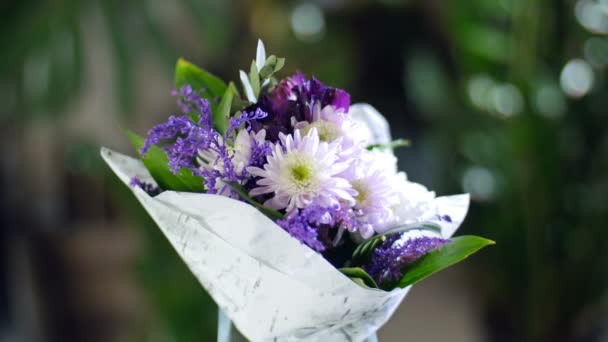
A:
(506, 100)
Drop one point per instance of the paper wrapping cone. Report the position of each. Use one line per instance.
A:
(271, 286)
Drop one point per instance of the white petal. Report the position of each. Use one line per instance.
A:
(260, 56)
(378, 131)
(256, 171)
(247, 87)
(259, 191)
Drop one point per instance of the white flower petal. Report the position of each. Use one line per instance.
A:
(247, 87)
(260, 56)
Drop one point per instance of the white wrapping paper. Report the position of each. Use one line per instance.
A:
(271, 286)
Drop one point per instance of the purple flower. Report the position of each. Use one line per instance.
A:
(311, 225)
(167, 131)
(184, 140)
(149, 188)
(182, 136)
(295, 98)
(259, 152)
(398, 251)
(283, 92)
(246, 118)
(191, 102)
(313, 92)
(297, 225)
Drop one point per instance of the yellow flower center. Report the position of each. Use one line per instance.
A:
(301, 173)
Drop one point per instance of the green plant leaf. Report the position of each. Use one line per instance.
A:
(254, 79)
(458, 249)
(392, 145)
(280, 64)
(359, 276)
(197, 78)
(222, 114)
(268, 67)
(157, 163)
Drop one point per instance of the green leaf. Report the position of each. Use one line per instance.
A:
(268, 67)
(392, 145)
(458, 249)
(157, 163)
(279, 65)
(272, 65)
(197, 78)
(254, 79)
(359, 276)
(271, 213)
(222, 114)
(363, 251)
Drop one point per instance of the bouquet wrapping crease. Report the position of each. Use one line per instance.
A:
(274, 285)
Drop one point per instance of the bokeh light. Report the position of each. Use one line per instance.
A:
(576, 78)
(479, 182)
(478, 88)
(592, 15)
(549, 101)
(596, 51)
(506, 100)
(308, 22)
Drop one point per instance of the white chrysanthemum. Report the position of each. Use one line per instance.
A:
(303, 170)
(333, 124)
(374, 127)
(239, 152)
(415, 203)
(372, 177)
(242, 148)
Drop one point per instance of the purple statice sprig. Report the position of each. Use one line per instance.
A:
(389, 259)
(308, 225)
(149, 188)
(245, 119)
(183, 137)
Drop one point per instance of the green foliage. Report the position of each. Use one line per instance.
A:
(390, 146)
(359, 276)
(221, 116)
(187, 73)
(254, 79)
(271, 66)
(458, 249)
(362, 253)
(208, 86)
(157, 163)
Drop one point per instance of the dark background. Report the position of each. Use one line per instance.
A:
(506, 100)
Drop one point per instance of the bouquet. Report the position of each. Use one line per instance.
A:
(286, 203)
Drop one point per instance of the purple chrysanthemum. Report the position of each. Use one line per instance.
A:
(398, 251)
